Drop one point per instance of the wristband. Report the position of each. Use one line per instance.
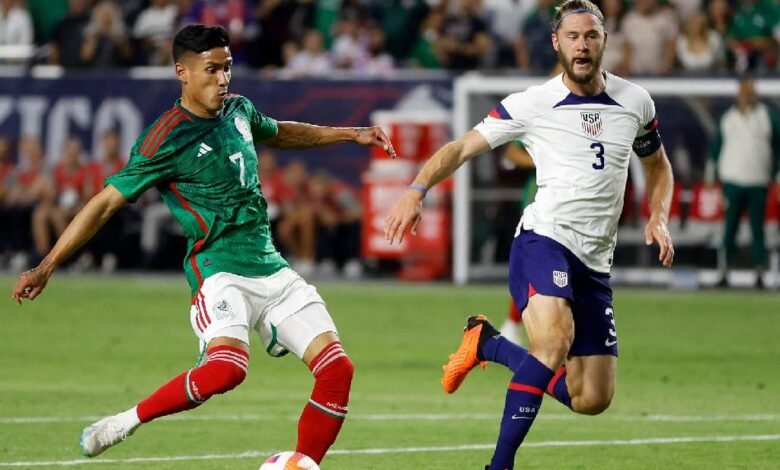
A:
(420, 188)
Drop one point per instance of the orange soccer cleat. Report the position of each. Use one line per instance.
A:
(465, 358)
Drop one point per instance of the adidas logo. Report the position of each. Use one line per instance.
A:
(204, 149)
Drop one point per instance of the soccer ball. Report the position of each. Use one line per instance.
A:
(289, 461)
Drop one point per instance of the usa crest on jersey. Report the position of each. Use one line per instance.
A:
(560, 278)
(591, 123)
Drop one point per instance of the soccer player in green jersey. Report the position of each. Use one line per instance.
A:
(200, 155)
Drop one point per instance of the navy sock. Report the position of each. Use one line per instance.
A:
(501, 350)
(523, 400)
(558, 389)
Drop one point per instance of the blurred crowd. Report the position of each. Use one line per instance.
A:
(314, 216)
(294, 38)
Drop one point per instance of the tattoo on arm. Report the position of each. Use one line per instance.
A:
(298, 135)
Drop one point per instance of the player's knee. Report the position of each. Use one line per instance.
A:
(592, 404)
(224, 370)
(551, 351)
(224, 376)
(338, 374)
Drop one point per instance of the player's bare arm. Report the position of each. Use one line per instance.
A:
(81, 229)
(300, 135)
(660, 184)
(407, 211)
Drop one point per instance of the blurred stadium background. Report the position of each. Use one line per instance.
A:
(80, 79)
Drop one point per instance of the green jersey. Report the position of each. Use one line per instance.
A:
(206, 172)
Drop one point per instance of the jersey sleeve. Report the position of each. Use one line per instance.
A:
(142, 173)
(263, 127)
(507, 121)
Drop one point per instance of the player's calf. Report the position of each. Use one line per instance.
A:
(324, 415)
(224, 369)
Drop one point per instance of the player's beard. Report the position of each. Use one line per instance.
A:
(583, 78)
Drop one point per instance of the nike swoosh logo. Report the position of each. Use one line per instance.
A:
(609, 343)
(520, 417)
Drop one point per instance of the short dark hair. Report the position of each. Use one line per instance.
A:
(575, 6)
(199, 38)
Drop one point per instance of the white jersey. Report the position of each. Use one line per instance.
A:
(581, 146)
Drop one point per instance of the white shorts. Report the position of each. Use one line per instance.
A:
(284, 309)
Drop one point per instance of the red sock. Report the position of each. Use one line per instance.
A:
(514, 313)
(323, 416)
(224, 369)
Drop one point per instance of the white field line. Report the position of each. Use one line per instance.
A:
(398, 450)
(406, 417)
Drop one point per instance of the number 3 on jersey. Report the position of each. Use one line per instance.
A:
(599, 147)
(238, 156)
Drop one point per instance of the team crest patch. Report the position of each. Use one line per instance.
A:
(591, 123)
(222, 310)
(560, 278)
(243, 128)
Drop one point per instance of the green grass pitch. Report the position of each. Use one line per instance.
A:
(698, 383)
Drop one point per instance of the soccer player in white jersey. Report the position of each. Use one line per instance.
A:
(580, 128)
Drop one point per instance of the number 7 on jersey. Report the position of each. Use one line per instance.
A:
(242, 173)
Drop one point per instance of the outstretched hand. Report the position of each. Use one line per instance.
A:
(30, 284)
(657, 231)
(375, 136)
(406, 212)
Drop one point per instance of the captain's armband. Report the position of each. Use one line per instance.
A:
(647, 144)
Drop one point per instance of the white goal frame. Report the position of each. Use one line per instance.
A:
(471, 84)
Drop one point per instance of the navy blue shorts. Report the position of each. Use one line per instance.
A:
(538, 264)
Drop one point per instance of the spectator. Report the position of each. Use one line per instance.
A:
(16, 27)
(652, 39)
(699, 48)
(235, 16)
(464, 40)
(46, 14)
(107, 245)
(423, 53)
(154, 29)
(400, 20)
(271, 184)
(109, 161)
(53, 214)
(29, 188)
(349, 43)
(505, 18)
(157, 222)
(747, 142)
(532, 47)
(719, 16)
(6, 170)
(69, 35)
(338, 214)
(686, 8)
(312, 60)
(6, 166)
(375, 62)
(297, 224)
(617, 57)
(749, 36)
(280, 20)
(106, 43)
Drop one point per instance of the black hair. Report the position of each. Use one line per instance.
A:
(199, 38)
(575, 6)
